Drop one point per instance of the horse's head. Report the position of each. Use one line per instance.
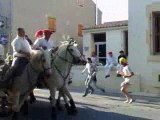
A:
(41, 61)
(70, 51)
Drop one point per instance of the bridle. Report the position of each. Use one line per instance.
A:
(65, 60)
(43, 66)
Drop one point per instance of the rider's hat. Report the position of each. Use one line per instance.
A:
(38, 33)
(47, 31)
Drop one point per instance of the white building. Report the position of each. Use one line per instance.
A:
(144, 42)
(68, 14)
(102, 38)
(66, 17)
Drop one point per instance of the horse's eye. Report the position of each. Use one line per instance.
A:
(71, 50)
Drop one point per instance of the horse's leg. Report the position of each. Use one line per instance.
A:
(69, 110)
(53, 102)
(58, 101)
(32, 98)
(71, 101)
(16, 96)
(24, 108)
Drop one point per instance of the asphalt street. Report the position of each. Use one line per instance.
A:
(97, 106)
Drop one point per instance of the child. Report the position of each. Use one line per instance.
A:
(127, 74)
(91, 69)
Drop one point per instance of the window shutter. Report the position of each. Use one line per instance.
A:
(80, 30)
(52, 24)
(156, 41)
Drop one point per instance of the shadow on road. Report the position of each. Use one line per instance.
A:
(41, 111)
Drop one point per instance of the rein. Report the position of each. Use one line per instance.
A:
(64, 77)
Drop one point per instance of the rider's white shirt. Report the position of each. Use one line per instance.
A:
(20, 43)
(41, 42)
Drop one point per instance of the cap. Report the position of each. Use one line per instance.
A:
(38, 33)
(109, 52)
(122, 60)
(47, 31)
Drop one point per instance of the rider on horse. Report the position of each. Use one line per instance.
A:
(21, 56)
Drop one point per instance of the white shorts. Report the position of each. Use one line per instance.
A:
(126, 81)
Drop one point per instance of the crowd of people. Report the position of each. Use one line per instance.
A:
(122, 70)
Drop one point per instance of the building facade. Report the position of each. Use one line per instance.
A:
(144, 43)
(5, 25)
(69, 15)
(102, 38)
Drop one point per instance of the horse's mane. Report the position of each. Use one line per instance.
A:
(64, 43)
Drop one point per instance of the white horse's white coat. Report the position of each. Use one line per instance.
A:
(63, 59)
(25, 83)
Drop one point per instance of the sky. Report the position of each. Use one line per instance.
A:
(113, 10)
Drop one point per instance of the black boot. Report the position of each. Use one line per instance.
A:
(68, 109)
(24, 108)
(32, 98)
(73, 107)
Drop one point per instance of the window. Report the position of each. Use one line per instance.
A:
(125, 33)
(156, 33)
(80, 30)
(80, 3)
(52, 24)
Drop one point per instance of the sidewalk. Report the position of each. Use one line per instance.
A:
(139, 97)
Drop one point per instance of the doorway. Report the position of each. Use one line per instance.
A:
(100, 47)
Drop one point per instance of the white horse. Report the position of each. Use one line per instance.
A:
(22, 85)
(62, 61)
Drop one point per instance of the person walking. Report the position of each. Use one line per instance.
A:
(95, 63)
(110, 63)
(127, 74)
(91, 69)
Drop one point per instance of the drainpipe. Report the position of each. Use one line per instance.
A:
(96, 12)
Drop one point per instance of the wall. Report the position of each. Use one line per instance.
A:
(111, 84)
(32, 15)
(114, 40)
(5, 15)
(140, 59)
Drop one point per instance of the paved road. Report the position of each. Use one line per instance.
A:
(96, 107)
